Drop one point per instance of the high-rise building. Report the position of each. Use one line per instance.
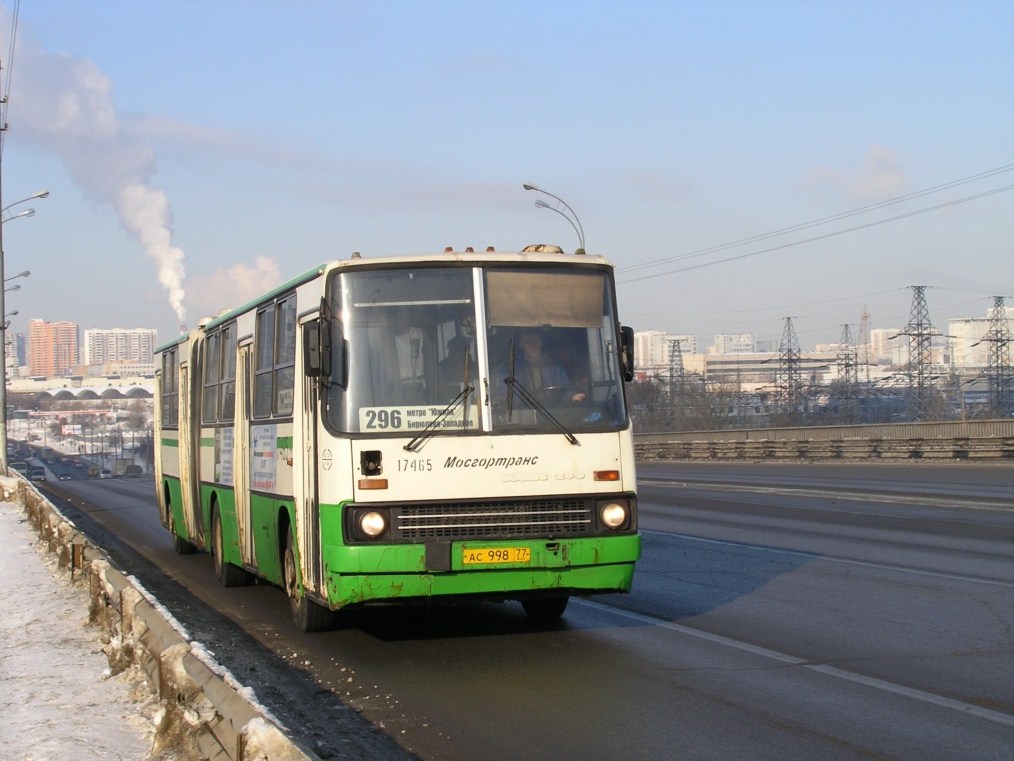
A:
(888, 346)
(733, 343)
(968, 349)
(52, 347)
(15, 352)
(652, 348)
(135, 345)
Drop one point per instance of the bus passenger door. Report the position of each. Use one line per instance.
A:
(309, 504)
(241, 455)
(189, 462)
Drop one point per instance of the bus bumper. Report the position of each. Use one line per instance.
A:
(412, 572)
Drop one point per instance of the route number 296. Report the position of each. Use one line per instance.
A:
(383, 419)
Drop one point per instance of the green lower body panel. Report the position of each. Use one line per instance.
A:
(174, 492)
(393, 572)
(224, 500)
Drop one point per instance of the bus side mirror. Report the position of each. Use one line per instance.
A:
(627, 352)
(316, 349)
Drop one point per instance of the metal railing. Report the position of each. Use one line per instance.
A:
(968, 440)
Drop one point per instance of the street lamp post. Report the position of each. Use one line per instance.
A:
(3, 326)
(570, 217)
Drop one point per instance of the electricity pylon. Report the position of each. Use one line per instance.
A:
(998, 368)
(790, 377)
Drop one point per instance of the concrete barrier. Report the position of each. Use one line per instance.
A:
(961, 448)
(206, 713)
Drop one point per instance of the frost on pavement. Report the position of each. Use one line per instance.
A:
(57, 698)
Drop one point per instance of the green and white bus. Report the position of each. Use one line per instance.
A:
(365, 433)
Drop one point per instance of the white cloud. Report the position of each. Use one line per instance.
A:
(242, 282)
(879, 178)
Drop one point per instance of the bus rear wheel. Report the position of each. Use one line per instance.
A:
(545, 608)
(180, 545)
(228, 575)
(306, 614)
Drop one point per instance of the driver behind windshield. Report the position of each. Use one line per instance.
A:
(541, 374)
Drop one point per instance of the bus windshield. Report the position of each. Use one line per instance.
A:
(413, 359)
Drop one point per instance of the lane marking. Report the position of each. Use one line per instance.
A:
(987, 503)
(834, 559)
(831, 671)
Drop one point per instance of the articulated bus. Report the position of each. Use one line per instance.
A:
(408, 429)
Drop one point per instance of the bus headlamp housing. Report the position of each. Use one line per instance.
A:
(368, 524)
(373, 524)
(614, 513)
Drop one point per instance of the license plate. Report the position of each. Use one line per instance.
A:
(495, 555)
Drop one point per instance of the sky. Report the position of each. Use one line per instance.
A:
(198, 152)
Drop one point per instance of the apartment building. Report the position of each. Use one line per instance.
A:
(52, 347)
(135, 345)
(653, 348)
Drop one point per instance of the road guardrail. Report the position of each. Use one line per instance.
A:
(960, 441)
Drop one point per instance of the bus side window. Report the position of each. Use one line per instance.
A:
(228, 392)
(264, 362)
(285, 357)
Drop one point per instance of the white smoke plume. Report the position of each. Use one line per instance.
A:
(241, 281)
(65, 104)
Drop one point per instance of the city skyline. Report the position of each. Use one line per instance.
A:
(116, 344)
(739, 162)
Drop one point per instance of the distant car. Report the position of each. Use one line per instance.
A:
(36, 473)
(64, 476)
(105, 473)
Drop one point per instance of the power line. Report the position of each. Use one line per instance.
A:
(5, 94)
(821, 221)
(822, 237)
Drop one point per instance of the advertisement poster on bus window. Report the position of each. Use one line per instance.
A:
(223, 456)
(263, 458)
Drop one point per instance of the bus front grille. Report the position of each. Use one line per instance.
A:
(509, 519)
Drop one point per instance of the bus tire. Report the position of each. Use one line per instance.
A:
(180, 545)
(306, 614)
(545, 608)
(228, 575)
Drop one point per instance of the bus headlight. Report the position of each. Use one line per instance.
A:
(613, 514)
(372, 524)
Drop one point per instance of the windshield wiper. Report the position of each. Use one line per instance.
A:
(532, 402)
(434, 424)
(535, 404)
(510, 381)
(461, 398)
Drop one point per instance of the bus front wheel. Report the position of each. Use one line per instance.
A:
(545, 608)
(307, 615)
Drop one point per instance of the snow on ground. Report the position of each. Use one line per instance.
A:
(57, 698)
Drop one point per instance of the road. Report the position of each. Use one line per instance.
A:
(839, 611)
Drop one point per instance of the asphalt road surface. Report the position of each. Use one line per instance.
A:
(844, 611)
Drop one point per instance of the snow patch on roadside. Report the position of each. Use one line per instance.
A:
(58, 698)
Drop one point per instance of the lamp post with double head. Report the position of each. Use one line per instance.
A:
(3, 321)
(569, 215)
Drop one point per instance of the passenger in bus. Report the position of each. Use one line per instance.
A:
(542, 374)
(452, 368)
